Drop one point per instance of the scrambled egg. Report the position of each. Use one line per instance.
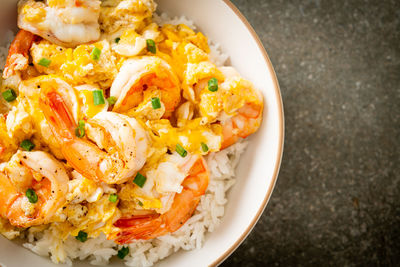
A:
(78, 73)
(190, 136)
(77, 66)
(118, 14)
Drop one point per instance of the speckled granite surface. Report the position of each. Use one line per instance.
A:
(337, 199)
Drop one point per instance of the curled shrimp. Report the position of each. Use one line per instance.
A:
(37, 171)
(114, 148)
(142, 78)
(184, 204)
(236, 105)
(17, 59)
(243, 104)
(67, 23)
(244, 123)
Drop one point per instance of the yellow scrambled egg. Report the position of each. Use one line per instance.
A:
(78, 73)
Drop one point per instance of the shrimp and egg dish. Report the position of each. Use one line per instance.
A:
(119, 132)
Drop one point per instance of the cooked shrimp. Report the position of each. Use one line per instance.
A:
(243, 108)
(67, 23)
(184, 204)
(236, 105)
(123, 139)
(246, 122)
(142, 78)
(28, 112)
(43, 175)
(17, 59)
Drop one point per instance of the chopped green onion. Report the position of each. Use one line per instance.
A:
(123, 252)
(31, 195)
(140, 203)
(27, 145)
(113, 198)
(117, 40)
(44, 62)
(155, 102)
(112, 100)
(204, 147)
(9, 95)
(181, 151)
(213, 85)
(140, 180)
(95, 53)
(80, 130)
(151, 46)
(82, 236)
(98, 98)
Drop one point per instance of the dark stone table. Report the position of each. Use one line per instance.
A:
(337, 199)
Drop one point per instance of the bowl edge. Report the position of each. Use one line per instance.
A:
(281, 135)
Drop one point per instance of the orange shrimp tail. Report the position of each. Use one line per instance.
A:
(8, 195)
(139, 227)
(152, 226)
(63, 126)
(58, 116)
(20, 46)
(183, 207)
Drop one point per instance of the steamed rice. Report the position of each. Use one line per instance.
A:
(190, 236)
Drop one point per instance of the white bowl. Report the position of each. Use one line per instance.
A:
(259, 166)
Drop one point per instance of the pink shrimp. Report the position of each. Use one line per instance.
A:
(43, 175)
(154, 225)
(123, 139)
(17, 59)
(140, 78)
(246, 122)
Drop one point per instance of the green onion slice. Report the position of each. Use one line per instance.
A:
(80, 130)
(31, 195)
(44, 62)
(27, 145)
(112, 100)
(123, 252)
(139, 180)
(213, 85)
(113, 198)
(117, 40)
(98, 98)
(95, 54)
(155, 102)
(181, 151)
(151, 46)
(9, 95)
(82, 236)
(204, 147)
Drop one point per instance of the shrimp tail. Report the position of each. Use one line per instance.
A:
(184, 205)
(17, 58)
(8, 194)
(58, 115)
(141, 227)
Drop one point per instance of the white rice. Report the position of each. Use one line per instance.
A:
(216, 56)
(190, 236)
